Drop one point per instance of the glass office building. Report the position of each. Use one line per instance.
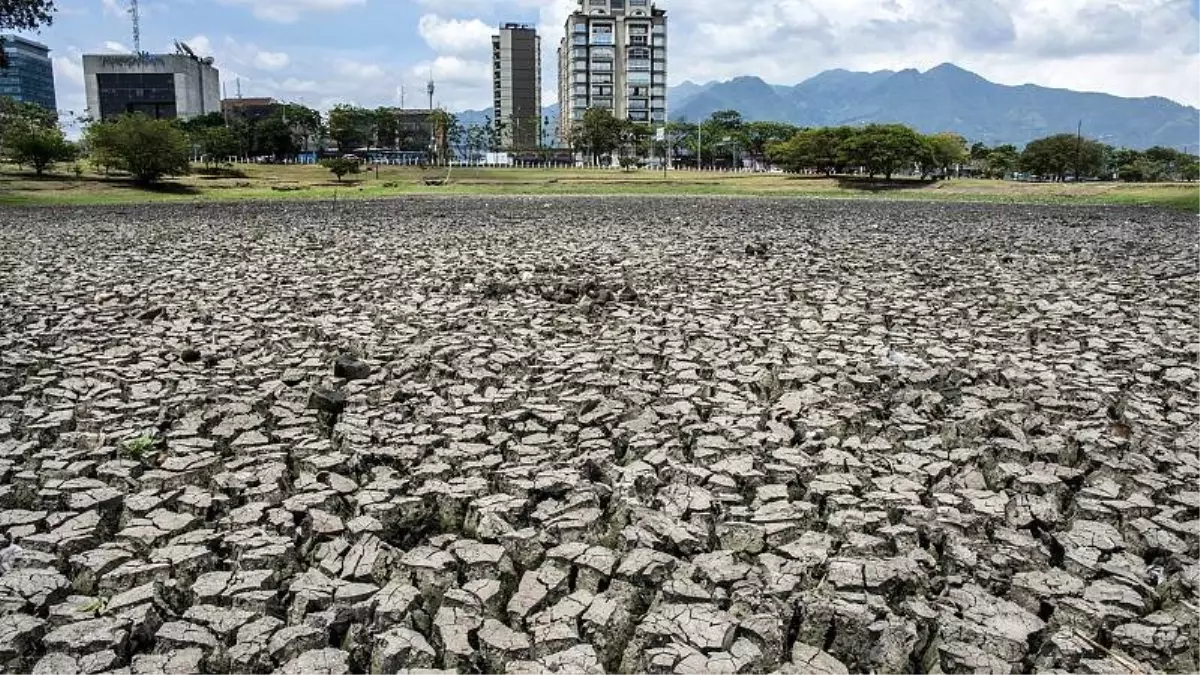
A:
(30, 73)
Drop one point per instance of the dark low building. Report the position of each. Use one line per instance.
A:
(29, 77)
(252, 109)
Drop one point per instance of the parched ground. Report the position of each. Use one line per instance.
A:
(570, 435)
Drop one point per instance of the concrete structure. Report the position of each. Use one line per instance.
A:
(252, 109)
(30, 74)
(517, 86)
(614, 56)
(164, 86)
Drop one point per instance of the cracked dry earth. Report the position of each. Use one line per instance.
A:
(536, 436)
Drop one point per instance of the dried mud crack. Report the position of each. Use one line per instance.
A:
(586, 436)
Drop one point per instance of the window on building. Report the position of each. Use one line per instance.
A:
(639, 53)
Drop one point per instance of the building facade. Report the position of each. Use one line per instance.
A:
(29, 77)
(517, 86)
(250, 109)
(163, 86)
(614, 56)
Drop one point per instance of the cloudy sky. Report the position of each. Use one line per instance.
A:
(323, 52)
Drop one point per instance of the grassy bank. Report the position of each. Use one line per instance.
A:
(259, 182)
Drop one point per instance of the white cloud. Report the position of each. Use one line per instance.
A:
(460, 82)
(68, 68)
(271, 60)
(290, 11)
(200, 45)
(455, 36)
(116, 48)
(1126, 47)
(358, 70)
(114, 8)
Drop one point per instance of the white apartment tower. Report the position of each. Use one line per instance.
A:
(614, 56)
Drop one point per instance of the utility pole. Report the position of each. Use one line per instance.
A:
(1078, 149)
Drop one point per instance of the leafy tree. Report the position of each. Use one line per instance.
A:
(217, 145)
(200, 122)
(883, 149)
(23, 15)
(340, 166)
(274, 136)
(148, 149)
(350, 126)
(14, 112)
(637, 139)
(823, 150)
(728, 121)
(1002, 161)
(446, 134)
(302, 122)
(387, 128)
(756, 136)
(478, 141)
(720, 129)
(681, 136)
(599, 133)
(37, 146)
(947, 150)
(495, 133)
(1189, 170)
(1062, 155)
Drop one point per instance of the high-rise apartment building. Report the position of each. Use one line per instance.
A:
(517, 86)
(614, 56)
(30, 74)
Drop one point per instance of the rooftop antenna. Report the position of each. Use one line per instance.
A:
(401, 88)
(135, 15)
(430, 88)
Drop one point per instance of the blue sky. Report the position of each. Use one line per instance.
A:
(324, 52)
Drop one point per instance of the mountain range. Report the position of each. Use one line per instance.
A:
(945, 98)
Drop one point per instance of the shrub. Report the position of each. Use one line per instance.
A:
(145, 148)
(340, 166)
(38, 147)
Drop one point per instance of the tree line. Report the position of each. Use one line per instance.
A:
(725, 139)
(149, 149)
